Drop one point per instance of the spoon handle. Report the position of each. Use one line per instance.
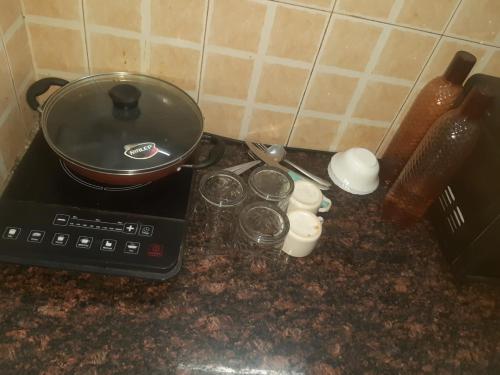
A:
(319, 180)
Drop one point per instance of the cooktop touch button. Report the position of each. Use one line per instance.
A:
(61, 219)
(11, 233)
(60, 239)
(84, 242)
(108, 245)
(36, 236)
(130, 228)
(132, 248)
(146, 230)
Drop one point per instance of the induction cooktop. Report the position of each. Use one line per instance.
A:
(53, 218)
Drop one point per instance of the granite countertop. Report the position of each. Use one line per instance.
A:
(371, 299)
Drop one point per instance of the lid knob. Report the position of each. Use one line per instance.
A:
(125, 96)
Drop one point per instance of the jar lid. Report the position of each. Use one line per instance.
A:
(122, 123)
(270, 183)
(264, 223)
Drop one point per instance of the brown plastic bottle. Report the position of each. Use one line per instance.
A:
(436, 98)
(437, 158)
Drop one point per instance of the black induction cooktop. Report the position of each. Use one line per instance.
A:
(51, 217)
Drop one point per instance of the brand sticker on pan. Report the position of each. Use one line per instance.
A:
(143, 150)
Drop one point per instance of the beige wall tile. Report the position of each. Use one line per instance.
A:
(227, 76)
(317, 4)
(444, 53)
(378, 9)
(237, 24)
(222, 119)
(404, 54)
(493, 66)
(12, 138)
(281, 85)
(380, 101)
(177, 65)
(270, 127)
(330, 93)
(350, 43)
(477, 20)
(6, 89)
(180, 19)
(48, 42)
(19, 53)
(66, 9)
(10, 11)
(361, 136)
(30, 117)
(296, 33)
(313, 133)
(122, 14)
(109, 53)
(426, 14)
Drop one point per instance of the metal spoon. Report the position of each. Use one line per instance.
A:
(278, 153)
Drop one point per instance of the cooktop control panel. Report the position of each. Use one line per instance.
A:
(90, 240)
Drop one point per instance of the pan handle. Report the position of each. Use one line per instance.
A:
(215, 154)
(40, 87)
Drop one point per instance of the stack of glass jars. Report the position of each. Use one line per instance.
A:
(249, 218)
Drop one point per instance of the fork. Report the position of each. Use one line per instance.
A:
(243, 167)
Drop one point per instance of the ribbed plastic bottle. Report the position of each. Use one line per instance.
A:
(437, 97)
(437, 158)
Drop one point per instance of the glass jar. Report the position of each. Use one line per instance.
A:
(272, 185)
(261, 226)
(223, 194)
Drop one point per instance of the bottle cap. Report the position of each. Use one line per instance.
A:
(460, 67)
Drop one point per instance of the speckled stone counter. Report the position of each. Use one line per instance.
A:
(371, 299)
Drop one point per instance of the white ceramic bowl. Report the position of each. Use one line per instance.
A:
(355, 171)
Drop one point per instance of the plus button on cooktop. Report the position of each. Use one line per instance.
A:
(130, 228)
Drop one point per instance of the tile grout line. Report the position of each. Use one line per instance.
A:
(287, 62)
(224, 100)
(361, 85)
(307, 86)
(181, 43)
(331, 69)
(16, 25)
(485, 60)
(395, 11)
(450, 19)
(59, 73)
(14, 90)
(31, 75)
(30, 42)
(7, 112)
(203, 62)
(298, 5)
(54, 22)
(87, 56)
(114, 31)
(145, 36)
(257, 69)
(202, 54)
(408, 96)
